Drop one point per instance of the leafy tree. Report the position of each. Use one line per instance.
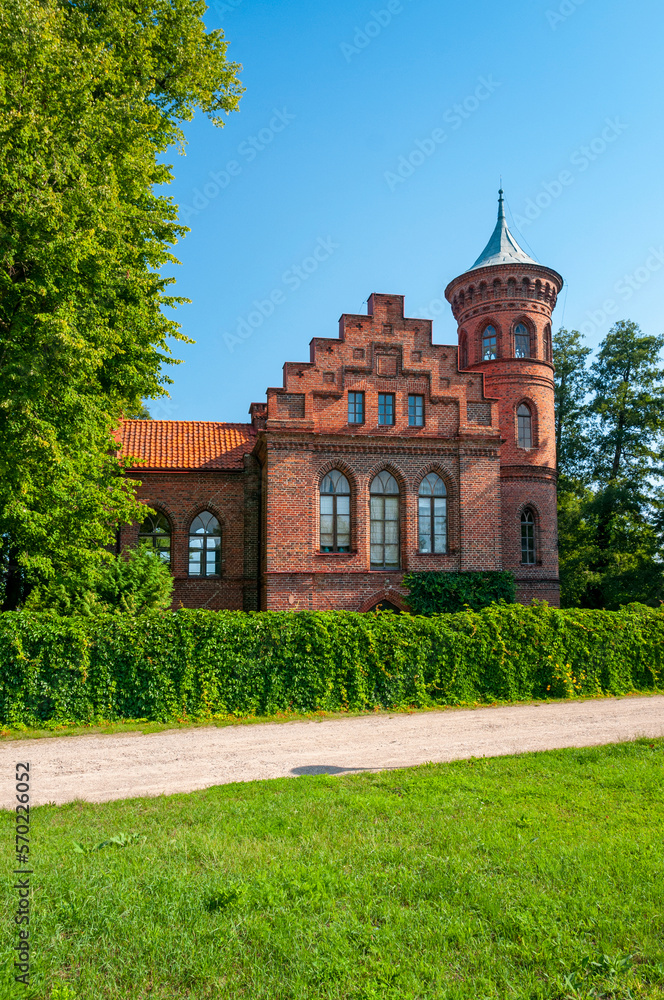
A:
(610, 495)
(133, 582)
(627, 441)
(140, 412)
(92, 94)
(627, 379)
(571, 389)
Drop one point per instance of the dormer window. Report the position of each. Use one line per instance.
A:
(489, 344)
(521, 341)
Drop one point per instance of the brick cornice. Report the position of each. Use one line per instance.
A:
(531, 472)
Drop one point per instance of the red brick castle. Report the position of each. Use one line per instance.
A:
(383, 454)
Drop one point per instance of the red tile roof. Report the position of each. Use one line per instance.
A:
(186, 444)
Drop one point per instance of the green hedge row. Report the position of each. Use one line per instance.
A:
(200, 663)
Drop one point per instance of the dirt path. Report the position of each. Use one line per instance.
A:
(101, 768)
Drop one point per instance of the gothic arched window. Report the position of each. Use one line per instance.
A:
(384, 522)
(489, 344)
(335, 513)
(521, 341)
(548, 350)
(524, 426)
(528, 545)
(155, 533)
(205, 546)
(432, 515)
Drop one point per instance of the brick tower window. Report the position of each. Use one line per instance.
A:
(335, 513)
(528, 546)
(205, 546)
(489, 344)
(355, 407)
(384, 522)
(521, 341)
(416, 411)
(432, 515)
(385, 408)
(524, 427)
(155, 533)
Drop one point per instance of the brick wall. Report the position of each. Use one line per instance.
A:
(233, 497)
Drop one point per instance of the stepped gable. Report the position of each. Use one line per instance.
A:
(186, 444)
(382, 351)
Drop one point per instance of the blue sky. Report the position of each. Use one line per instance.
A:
(366, 156)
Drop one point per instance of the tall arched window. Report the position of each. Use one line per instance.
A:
(463, 353)
(548, 350)
(489, 344)
(528, 546)
(521, 341)
(205, 546)
(524, 427)
(432, 514)
(155, 533)
(384, 522)
(335, 513)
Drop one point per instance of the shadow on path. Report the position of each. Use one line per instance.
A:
(326, 769)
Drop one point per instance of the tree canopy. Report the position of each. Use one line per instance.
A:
(92, 95)
(610, 428)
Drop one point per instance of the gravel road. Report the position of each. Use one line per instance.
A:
(101, 768)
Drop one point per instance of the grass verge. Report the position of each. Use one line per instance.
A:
(146, 726)
(530, 877)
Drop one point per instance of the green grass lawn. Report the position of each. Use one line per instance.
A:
(516, 877)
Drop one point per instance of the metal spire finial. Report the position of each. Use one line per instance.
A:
(502, 248)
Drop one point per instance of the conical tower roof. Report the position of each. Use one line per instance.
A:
(502, 248)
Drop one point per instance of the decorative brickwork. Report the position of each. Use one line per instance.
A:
(262, 480)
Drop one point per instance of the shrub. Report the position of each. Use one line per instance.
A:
(195, 664)
(437, 593)
(134, 582)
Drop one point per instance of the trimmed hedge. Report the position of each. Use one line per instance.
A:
(195, 664)
(437, 593)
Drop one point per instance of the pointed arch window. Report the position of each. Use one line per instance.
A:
(521, 341)
(205, 546)
(528, 540)
(432, 515)
(155, 533)
(524, 426)
(489, 344)
(548, 351)
(384, 505)
(335, 513)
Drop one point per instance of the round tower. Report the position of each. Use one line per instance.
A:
(503, 307)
